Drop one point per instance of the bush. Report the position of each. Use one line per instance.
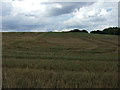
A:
(85, 31)
(112, 30)
(75, 30)
(97, 32)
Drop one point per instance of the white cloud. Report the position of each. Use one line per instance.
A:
(36, 15)
(99, 15)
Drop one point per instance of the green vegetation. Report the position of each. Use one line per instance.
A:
(110, 30)
(59, 60)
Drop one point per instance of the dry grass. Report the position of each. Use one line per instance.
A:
(60, 60)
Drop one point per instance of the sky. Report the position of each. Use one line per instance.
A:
(44, 16)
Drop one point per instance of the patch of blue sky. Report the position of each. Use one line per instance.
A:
(110, 9)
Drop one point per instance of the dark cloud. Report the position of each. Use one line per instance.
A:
(67, 7)
(52, 18)
(22, 22)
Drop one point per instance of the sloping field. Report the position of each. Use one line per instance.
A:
(59, 60)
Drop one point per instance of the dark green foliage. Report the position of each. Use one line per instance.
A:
(110, 31)
(84, 31)
(77, 30)
(98, 32)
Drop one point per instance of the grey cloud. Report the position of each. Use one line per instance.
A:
(21, 22)
(67, 7)
(56, 16)
(6, 8)
(119, 13)
(16, 23)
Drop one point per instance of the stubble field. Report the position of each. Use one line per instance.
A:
(59, 60)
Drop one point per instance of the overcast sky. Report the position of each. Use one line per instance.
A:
(37, 16)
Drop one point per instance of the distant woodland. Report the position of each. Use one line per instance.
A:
(110, 30)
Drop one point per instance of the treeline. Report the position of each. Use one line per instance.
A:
(110, 30)
(77, 30)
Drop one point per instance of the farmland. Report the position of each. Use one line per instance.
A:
(59, 60)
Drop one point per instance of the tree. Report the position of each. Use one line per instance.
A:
(112, 30)
(85, 31)
(75, 30)
(96, 32)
